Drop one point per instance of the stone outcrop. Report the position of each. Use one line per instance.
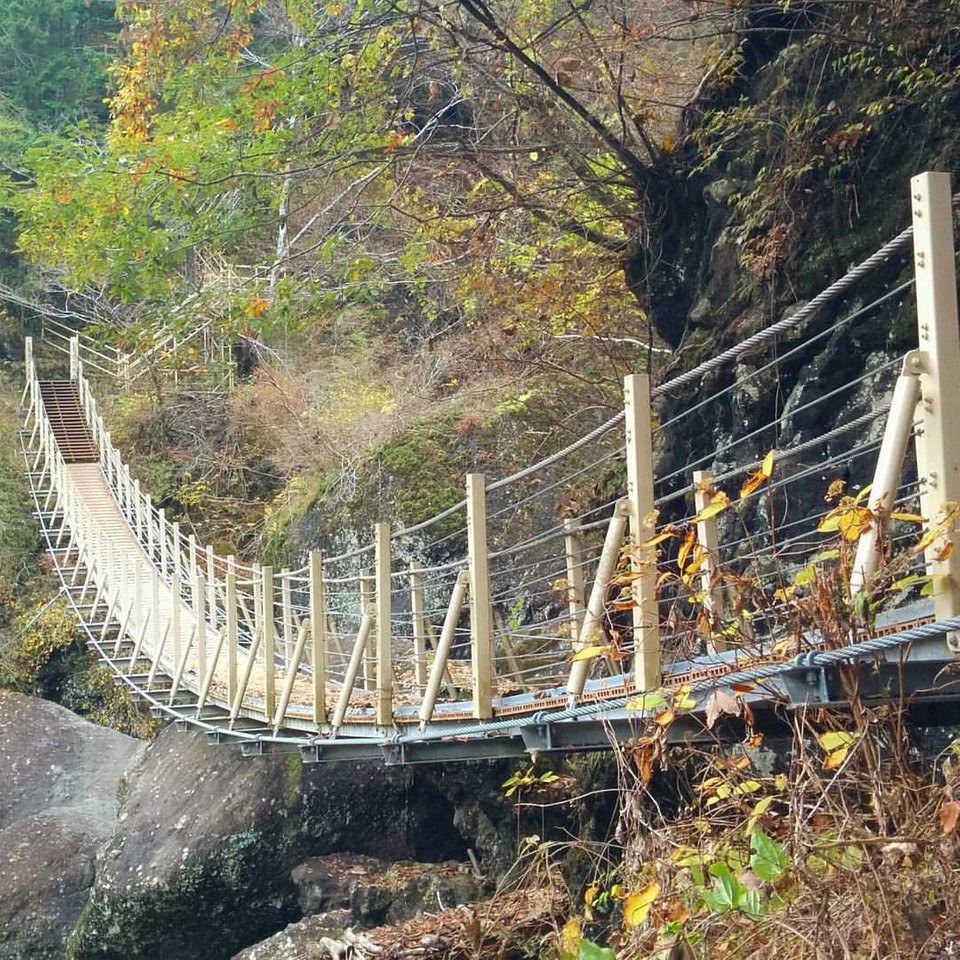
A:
(59, 783)
(206, 841)
(178, 849)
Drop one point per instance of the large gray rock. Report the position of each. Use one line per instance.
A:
(59, 779)
(200, 863)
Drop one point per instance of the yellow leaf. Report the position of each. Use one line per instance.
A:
(588, 653)
(590, 894)
(946, 553)
(257, 306)
(665, 718)
(907, 517)
(766, 468)
(685, 548)
(830, 523)
(709, 511)
(834, 739)
(570, 938)
(637, 905)
(659, 538)
(855, 522)
(835, 489)
(835, 759)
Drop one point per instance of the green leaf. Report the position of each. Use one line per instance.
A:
(768, 859)
(751, 903)
(726, 889)
(593, 951)
(647, 701)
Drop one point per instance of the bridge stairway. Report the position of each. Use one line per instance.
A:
(61, 402)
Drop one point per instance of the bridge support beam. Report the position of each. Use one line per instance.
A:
(938, 446)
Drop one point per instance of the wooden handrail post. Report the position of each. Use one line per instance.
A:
(286, 615)
(417, 607)
(212, 589)
(74, 358)
(162, 533)
(576, 581)
(368, 664)
(268, 631)
(708, 538)
(938, 446)
(481, 607)
(232, 624)
(200, 614)
(175, 605)
(384, 642)
(643, 560)
(138, 511)
(318, 638)
(175, 549)
(150, 529)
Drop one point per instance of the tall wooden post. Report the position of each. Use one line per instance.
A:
(417, 606)
(176, 637)
(286, 615)
(643, 560)
(74, 358)
(318, 638)
(576, 581)
(162, 531)
(709, 540)
(938, 447)
(481, 608)
(150, 529)
(212, 589)
(177, 556)
(384, 626)
(231, 627)
(268, 632)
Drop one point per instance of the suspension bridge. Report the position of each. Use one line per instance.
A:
(511, 647)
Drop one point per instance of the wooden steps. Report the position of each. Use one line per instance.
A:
(61, 401)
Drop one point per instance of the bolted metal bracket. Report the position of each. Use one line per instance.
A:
(806, 685)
